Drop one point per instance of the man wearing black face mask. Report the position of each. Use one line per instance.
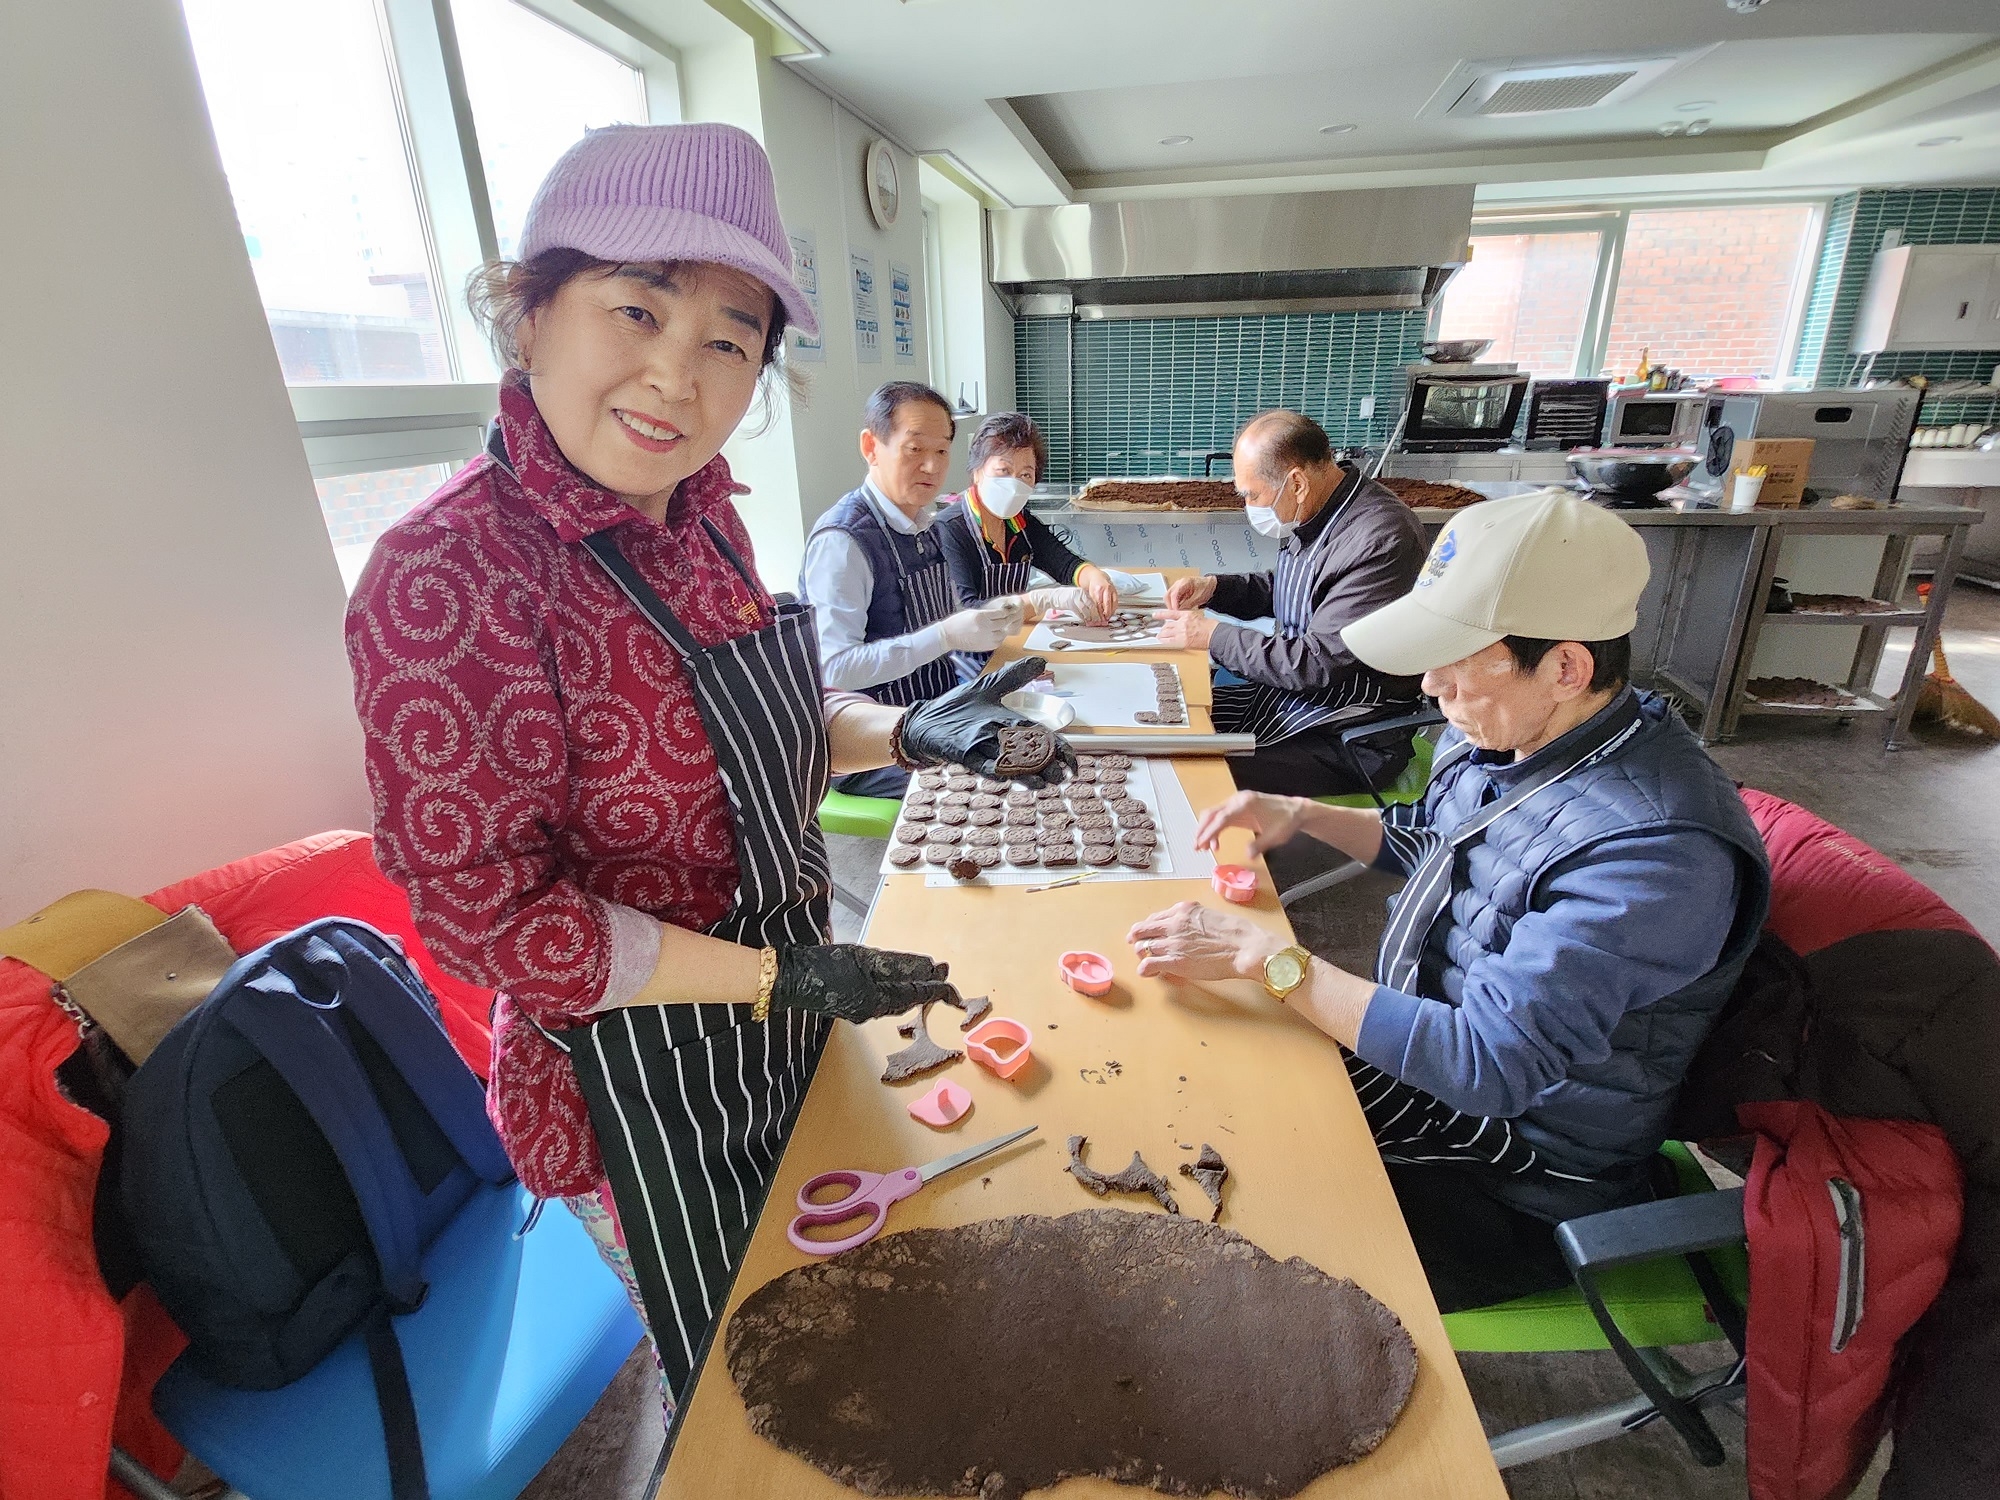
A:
(1346, 548)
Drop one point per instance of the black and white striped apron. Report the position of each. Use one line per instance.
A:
(691, 1104)
(1273, 713)
(927, 598)
(997, 580)
(1408, 1123)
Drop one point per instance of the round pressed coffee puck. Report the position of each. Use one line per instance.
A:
(1057, 855)
(1023, 854)
(983, 817)
(1136, 859)
(982, 837)
(905, 855)
(910, 833)
(940, 854)
(954, 817)
(983, 856)
(1099, 854)
(1137, 838)
(984, 799)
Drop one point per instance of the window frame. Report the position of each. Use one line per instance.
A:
(358, 427)
(1611, 222)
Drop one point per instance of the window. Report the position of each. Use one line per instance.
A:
(535, 89)
(360, 507)
(1531, 293)
(1711, 291)
(305, 115)
(347, 144)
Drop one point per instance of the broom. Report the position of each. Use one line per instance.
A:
(1942, 701)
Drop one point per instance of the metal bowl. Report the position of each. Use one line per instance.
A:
(1632, 472)
(1456, 351)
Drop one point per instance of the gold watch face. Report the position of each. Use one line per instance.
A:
(1284, 971)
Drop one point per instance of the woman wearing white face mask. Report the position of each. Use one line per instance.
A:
(992, 542)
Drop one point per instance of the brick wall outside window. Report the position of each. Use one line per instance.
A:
(1529, 293)
(1709, 291)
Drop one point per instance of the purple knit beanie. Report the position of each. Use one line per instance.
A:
(669, 192)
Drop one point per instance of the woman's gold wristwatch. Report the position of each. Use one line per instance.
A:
(767, 980)
(1285, 971)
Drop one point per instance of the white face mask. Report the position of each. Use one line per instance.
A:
(1003, 495)
(1264, 520)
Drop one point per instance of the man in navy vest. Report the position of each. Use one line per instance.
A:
(878, 580)
(1583, 887)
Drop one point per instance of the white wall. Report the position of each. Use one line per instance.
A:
(173, 691)
(818, 151)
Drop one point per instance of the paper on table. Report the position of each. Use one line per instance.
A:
(1139, 588)
(1076, 636)
(1106, 695)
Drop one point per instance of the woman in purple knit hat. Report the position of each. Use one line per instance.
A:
(597, 744)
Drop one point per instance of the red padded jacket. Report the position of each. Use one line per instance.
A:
(77, 1373)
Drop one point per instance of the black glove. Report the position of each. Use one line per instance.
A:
(856, 983)
(963, 728)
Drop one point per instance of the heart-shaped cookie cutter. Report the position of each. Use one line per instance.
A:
(1086, 973)
(979, 1045)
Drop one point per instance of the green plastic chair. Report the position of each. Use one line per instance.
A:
(1672, 1272)
(861, 818)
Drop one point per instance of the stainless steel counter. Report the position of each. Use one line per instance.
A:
(1704, 632)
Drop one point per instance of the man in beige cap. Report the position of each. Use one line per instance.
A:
(1583, 886)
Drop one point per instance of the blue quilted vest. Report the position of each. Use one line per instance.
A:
(1606, 1118)
(887, 616)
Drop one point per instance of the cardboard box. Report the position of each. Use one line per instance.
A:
(1786, 461)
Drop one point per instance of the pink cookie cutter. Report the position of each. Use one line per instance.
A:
(1236, 883)
(945, 1104)
(979, 1045)
(1086, 973)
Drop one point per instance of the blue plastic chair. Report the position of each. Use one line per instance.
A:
(513, 1346)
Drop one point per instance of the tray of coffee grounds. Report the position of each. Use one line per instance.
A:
(1425, 494)
(1162, 493)
(1155, 1351)
(1841, 604)
(1800, 692)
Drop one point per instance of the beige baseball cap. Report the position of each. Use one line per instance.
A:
(1550, 564)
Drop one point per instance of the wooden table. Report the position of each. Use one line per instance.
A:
(1155, 1066)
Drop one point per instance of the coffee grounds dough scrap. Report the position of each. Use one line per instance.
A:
(1136, 1178)
(1209, 1171)
(921, 1055)
(1158, 1352)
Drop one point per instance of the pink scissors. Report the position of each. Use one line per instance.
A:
(869, 1195)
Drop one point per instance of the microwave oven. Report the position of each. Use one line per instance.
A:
(1462, 408)
(1654, 419)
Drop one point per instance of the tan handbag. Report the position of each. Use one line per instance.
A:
(138, 990)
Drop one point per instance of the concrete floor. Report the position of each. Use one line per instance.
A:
(1932, 808)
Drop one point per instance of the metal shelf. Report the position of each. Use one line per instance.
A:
(1894, 617)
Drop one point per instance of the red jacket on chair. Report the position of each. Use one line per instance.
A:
(1852, 1227)
(76, 1369)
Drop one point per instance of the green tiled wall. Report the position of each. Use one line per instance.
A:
(1152, 395)
(1855, 225)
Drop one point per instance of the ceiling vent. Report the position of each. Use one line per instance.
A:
(1516, 86)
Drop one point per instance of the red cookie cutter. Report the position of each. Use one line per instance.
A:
(1086, 973)
(979, 1045)
(1236, 883)
(946, 1104)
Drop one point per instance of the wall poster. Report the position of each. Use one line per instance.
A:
(805, 271)
(902, 314)
(867, 320)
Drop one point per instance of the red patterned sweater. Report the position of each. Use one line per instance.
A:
(543, 785)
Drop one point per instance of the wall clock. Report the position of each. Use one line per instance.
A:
(882, 185)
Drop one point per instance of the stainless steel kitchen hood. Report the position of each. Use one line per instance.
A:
(1277, 252)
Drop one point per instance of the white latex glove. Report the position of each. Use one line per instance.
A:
(983, 627)
(1074, 601)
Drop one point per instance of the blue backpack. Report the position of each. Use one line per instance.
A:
(291, 1147)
